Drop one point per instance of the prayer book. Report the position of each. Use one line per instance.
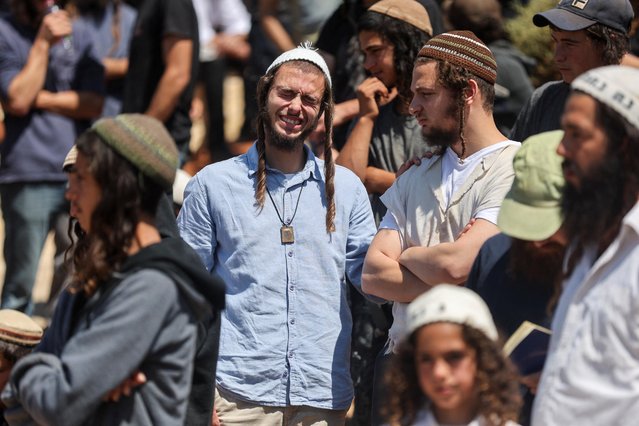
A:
(527, 347)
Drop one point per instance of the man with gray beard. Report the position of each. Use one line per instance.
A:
(283, 229)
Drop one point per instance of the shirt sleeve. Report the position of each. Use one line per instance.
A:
(395, 202)
(389, 222)
(501, 179)
(231, 16)
(196, 224)
(68, 388)
(180, 19)
(361, 230)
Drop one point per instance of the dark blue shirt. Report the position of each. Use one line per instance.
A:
(36, 144)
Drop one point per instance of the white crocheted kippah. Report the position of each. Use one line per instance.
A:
(304, 52)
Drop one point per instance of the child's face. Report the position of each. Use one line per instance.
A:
(446, 370)
(5, 371)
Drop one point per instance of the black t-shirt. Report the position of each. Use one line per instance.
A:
(157, 19)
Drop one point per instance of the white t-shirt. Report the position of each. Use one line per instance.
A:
(454, 174)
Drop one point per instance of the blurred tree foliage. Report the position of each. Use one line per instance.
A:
(534, 41)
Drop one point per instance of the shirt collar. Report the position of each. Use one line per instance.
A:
(313, 169)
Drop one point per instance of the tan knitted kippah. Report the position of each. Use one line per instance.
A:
(464, 49)
(144, 141)
(18, 328)
(409, 11)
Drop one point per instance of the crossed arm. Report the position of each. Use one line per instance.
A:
(401, 276)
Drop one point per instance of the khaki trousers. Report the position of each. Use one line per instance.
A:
(232, 411)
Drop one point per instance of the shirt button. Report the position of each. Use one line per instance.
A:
(290, 354)
(293, 321)
(288, 220)
(292, 288)
(290, 254)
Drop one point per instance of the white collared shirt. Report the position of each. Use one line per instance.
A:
(591, 376)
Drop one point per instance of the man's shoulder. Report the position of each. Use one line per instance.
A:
(550, 90)
(417, 176)
(496, 246)
(232, 167)
(345, 176)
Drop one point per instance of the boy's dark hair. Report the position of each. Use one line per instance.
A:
(126, 195)
(612, 43)
(406, 40)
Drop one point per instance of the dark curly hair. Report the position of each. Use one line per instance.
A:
(406, 40)
(126, 195)
(613, 44)
(327, 107)
(496, 380)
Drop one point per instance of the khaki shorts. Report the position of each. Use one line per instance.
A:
(232, 411)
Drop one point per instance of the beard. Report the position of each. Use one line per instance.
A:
(595, 208)
(540, 266)
(444, 136)
(289, 143)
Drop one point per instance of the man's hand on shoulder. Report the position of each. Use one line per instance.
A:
(415, 161)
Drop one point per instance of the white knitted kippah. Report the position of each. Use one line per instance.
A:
(615, 86)
(450, 303)
(304, 52)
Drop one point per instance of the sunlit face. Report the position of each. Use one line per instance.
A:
(83, 193)
(446, 370)
(378, 57)
(575, 53)
(294, 104)
(584, 145)
(433, 106)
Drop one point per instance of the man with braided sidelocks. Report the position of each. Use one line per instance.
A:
(283, 229)
(418, 243)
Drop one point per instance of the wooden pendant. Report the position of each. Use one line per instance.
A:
(287, 235)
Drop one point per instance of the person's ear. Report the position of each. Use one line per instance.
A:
(471, 92)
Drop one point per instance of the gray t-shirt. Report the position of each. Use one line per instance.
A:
(396, 138)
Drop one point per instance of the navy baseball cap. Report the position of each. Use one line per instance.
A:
(575, 15)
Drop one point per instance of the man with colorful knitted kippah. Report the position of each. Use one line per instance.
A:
(421, 242)
(587, 34)
(283, 229)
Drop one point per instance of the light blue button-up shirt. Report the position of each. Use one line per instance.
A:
(286, 330)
